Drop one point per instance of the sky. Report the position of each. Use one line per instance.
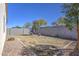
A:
(21, 13)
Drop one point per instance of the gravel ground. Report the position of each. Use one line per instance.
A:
(43, 40)
(15, 48)
(12, 48)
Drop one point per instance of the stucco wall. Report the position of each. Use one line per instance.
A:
(2, 26)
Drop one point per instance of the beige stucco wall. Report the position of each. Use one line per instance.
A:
(2, 26)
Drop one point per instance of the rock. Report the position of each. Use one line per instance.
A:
(41, 50)
(46, 50)
(11, 39)
(74, 54)
(27, 52)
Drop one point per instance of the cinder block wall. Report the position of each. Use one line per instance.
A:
(18, 31)
(60, 31)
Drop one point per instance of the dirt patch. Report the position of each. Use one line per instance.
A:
(38, 46)
(12, 48)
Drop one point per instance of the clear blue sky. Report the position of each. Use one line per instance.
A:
(20, 13)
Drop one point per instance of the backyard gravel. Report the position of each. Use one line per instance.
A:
(16, 48)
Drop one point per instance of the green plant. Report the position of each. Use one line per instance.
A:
(37, 24)
(71, 18)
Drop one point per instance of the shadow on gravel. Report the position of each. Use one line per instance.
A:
(41, 50)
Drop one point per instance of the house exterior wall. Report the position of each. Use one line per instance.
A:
(2, 26)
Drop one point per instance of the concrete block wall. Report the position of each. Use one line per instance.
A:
(60, 31)
(18, 31)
